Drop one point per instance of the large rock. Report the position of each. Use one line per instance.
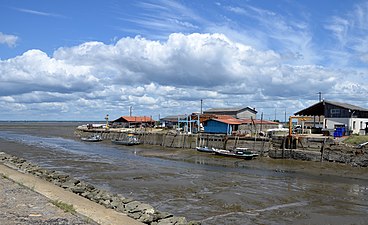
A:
(78, 190)
(146, 218)
(173, 220)
(145, 208)
(131, 206)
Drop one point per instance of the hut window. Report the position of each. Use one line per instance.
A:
(335, 112)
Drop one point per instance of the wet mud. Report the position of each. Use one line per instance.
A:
(200, 186)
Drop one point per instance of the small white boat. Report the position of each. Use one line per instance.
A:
(92, 138)
(205, 149)
(362, 145)
(129, 140)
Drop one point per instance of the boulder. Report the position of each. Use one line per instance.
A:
(135, 215)
(145, 208)
(146, 218)
(78, 190)
(162, 215)
(131, 206)
(173, 220)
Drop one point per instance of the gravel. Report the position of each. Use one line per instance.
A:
(21, 205)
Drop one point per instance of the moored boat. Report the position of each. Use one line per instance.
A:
(242, 153)
(129, 140)
(205, 149)
(92, 138)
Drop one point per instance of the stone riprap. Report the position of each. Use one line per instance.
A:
(140, 211)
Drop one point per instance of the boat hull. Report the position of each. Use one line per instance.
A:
(240, 155)
(93, 138)
(205, 149)
(128, 143)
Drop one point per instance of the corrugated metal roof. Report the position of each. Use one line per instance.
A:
(140, 119)
(258, 121)
(224, 110)
(223, 117)
(217, 110)
(228, 121)
(143, 119)
(347, 106)
(174, 117)
(233, 121)
(318, 108)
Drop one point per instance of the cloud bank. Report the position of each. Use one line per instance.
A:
(161, 77)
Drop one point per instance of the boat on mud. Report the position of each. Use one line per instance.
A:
(92, 138)
(128, 140)
(205, 149)
(242, 153)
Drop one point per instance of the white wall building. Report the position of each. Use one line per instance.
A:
(238, 113)
(339, 115)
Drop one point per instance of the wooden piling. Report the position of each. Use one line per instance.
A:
(322, 149)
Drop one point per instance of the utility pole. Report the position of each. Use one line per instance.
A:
(261, 121)
(107, 121)
(285, 115)
(201, 105)
(130, 111)
(319, 96)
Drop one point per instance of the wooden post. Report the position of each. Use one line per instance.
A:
(322, 149)
(236, 141)
(163, 139)
(283, 147)
(172, 142)
(225, 139)
(184, 139)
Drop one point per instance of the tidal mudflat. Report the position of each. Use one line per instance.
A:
(202, 187)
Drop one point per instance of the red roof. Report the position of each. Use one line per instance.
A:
(136, 119)
(233, 121)
(227, 119)
(258, 121)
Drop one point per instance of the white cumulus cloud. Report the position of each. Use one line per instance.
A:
(8, 39)
(161, 77)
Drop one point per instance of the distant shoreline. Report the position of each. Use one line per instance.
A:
(51, 121)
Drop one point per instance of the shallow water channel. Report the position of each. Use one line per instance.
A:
(199, 186)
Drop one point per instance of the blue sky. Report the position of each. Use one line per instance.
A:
(77, 60)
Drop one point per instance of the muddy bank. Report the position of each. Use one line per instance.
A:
(134, 209)
(280, 165)
(322, 149)
(306, 148)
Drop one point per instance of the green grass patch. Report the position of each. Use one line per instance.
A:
(64, 206)
(356, 139)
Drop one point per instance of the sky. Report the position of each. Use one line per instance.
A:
(81, 60)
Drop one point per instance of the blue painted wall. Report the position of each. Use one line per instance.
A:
(213, 126)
